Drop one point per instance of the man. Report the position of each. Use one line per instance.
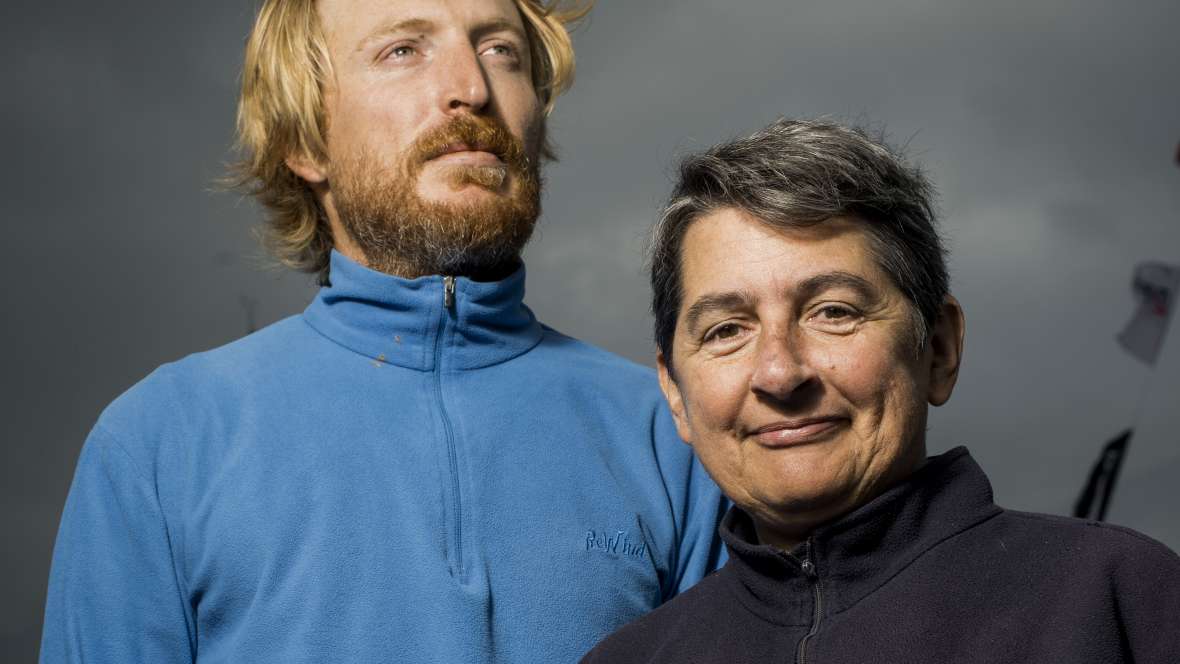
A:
(804, 323)
(414, 469)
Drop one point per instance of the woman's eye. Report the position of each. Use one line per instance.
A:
(723, 332)
(835, 318)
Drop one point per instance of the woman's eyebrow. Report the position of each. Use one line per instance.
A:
(814, 285)
(725, 301)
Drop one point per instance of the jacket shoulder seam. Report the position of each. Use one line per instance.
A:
(1099, 525)
(114, 440)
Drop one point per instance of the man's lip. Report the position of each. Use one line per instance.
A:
(477, 155)
(458, 148)
(787, 433)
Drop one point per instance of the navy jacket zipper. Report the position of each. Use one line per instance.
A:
(452, 454)
(808, 568)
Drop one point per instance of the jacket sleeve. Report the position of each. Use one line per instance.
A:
(1147, 597)
(113, 590)
(699, 505)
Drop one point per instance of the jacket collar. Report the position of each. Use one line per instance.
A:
(858, 553)
(406, 322)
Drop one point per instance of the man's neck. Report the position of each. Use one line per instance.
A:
(408, 270)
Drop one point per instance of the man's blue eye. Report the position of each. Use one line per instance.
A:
(501, 49)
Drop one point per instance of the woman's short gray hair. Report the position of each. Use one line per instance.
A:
(798, 173)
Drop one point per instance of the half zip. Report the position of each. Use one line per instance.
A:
(808, 568)
(448, 432)
(448, 292)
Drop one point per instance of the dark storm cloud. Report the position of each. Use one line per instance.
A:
(1048, 126)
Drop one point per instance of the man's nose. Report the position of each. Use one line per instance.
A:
(464, 82)
(783, 371)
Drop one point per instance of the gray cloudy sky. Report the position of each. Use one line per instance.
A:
(1048, 125)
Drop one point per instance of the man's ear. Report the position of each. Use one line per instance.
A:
(307, 168)
(946, 351)
(672, 393)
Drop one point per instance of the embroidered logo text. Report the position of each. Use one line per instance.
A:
(617, 542)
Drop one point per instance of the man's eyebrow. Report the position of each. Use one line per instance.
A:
(388, 27)
(425, 26)
(814, 285)
(709, 302)
(498, 25)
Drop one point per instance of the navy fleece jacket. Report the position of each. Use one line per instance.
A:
(930, 572)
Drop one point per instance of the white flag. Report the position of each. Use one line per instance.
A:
(1155, 285)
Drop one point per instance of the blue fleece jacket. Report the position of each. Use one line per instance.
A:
(410, 471)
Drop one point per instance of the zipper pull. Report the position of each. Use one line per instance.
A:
(806, 565)
(448, 292)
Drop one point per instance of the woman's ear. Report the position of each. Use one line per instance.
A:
(672, 393)
(946, 351)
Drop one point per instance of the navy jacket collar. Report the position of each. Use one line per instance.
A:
(405, 322)
(861, 551)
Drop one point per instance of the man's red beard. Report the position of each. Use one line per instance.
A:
(401, 233)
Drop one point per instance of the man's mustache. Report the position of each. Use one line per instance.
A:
(477, 133)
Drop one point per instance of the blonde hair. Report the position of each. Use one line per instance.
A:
(281, 112)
